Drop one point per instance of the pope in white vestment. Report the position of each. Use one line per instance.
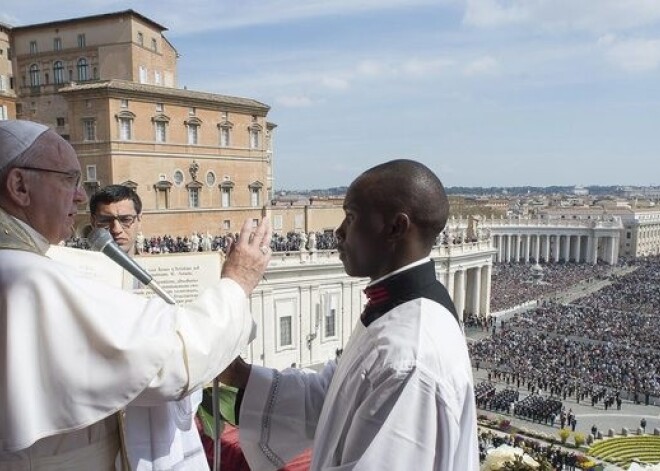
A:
(400, 397)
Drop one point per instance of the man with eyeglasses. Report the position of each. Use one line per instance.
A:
(118, 209)
(164, 436)
(74, 352)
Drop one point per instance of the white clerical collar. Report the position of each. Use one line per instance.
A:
(41, 242)
(399, 270)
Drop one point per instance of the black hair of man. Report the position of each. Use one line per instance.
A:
(114, 194)
(410, 187)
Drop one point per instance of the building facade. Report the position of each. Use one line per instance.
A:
(7, 93)
(201, 162)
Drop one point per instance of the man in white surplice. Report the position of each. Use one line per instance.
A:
(401, 395)
(74, 352)
(160, 437)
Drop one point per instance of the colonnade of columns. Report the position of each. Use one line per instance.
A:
(524, 248)
(470, 290)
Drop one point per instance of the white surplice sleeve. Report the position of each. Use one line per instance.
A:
(279, 414)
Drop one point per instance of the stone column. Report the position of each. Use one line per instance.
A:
(450, 284)
(537, 247)
(508, 248)
(459, 293)
(567, 248)
(475, 288)
(528, 248)
(611, 259)
(592, 247)
(547, 249)
(577, 248)
(557, 247)
(484, 307)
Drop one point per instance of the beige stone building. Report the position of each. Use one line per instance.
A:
(200, 162)
(7, 94)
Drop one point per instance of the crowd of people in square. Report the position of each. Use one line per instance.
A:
(200, 242)
(512, 284)
(600, 350)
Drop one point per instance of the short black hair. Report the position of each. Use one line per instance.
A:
(409, 186)
(114, 194)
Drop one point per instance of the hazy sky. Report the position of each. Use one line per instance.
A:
(485, 92)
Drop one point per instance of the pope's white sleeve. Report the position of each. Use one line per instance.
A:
(212, 331)
(279, 414)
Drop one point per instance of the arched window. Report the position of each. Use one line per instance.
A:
(34, 75)
(82, 70)
(58, 72)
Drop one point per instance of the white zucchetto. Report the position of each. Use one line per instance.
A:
(17, 136)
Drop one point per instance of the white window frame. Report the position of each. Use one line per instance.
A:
(89, 129)
(125, 129)
(225, 196)
(91, 173)
(285, 308)
(255, 197)
(277, 222)
(193, 134)
(160, 130)
(193, 197)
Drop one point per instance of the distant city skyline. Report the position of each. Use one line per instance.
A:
(485, 92)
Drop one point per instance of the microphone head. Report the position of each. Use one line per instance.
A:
(99, 238)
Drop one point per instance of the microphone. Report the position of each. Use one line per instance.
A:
(101, 241)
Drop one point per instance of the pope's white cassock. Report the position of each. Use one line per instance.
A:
(74, 352)
(400, 397)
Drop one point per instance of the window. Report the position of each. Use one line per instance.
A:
(157, 79)
(125, 129)
(34, 75)
(225, 193)
(58, 72)
(178, 177)
(89, 129)
(140, 39)
(143, 74)
(123, 103)
(286, 334)
(226, 224)
(33, 47)
(91, 173)
(160, 107)
(254, 197)
(83, 69)
(193, 133)
(88, 104)
(277, 222)
(81, 40)
(224, 136)
(191, 111)
(254, 138)
(57, 44)
(161, 135)
(154, 44)
(3, 83)
(193, 197)
(210, 178)
(330, 318)
(3, 113)
(60, 122)
(298, 221)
